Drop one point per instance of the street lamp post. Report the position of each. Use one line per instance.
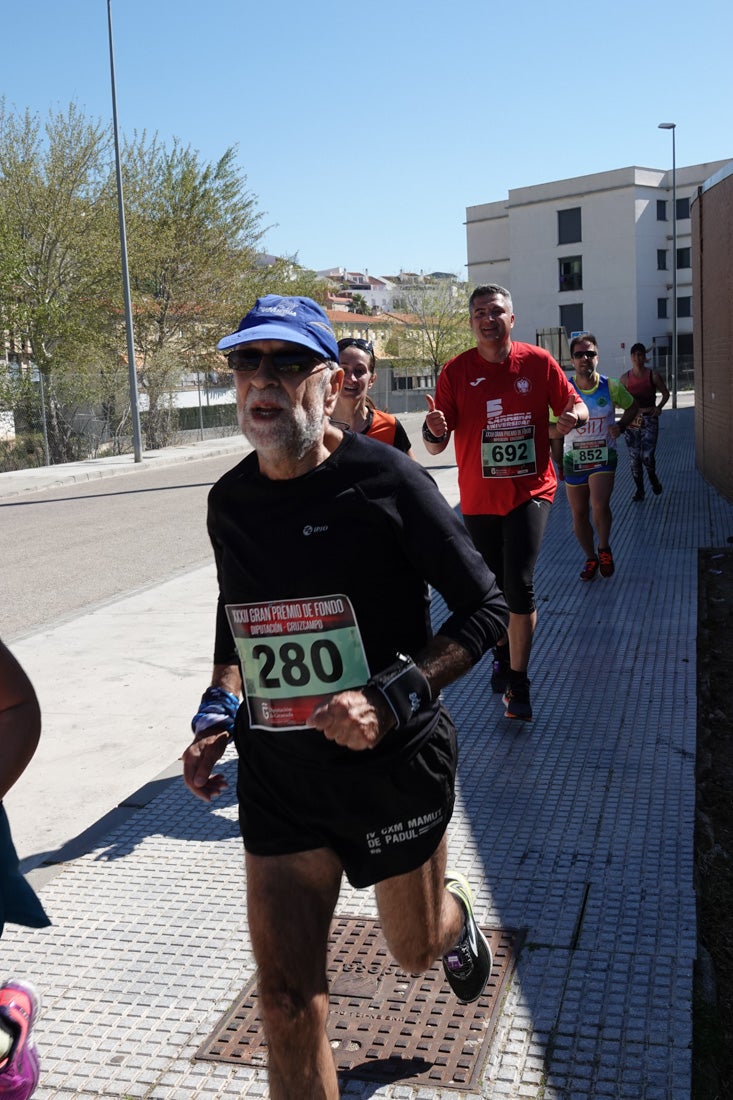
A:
(134, 406)
(672, 126)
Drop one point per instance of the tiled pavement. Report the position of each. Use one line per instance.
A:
(578, 827)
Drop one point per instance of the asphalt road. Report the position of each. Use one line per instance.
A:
(107, 597)
(70, 549)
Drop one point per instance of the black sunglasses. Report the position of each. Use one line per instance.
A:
(290, 361)
(353, 342)
(584, 354)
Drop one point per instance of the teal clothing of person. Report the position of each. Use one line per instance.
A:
(18, 901)
(590, 449)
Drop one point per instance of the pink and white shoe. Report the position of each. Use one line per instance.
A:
(20, 1005)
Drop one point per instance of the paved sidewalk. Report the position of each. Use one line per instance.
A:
(15, 482)
(578, 827)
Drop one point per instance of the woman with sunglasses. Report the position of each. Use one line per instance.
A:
(590, 456)
(354, 406)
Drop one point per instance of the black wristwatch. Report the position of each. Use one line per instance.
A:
(430, 438)
(403, 687)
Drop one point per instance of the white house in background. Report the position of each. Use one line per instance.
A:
(385, 293)
(594, 253)
(376, 292)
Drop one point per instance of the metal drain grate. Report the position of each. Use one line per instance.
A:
(385, 1025)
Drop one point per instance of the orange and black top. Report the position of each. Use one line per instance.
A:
(387, 429)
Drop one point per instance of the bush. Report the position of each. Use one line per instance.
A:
(22, 453)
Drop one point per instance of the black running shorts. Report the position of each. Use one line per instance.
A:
(510, 545)
(379, 820)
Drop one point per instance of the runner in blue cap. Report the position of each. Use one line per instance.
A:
(347, 755)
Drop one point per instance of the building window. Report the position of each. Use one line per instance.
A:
(571, 318)
(683, 209)
(684, 306)
(568, 226)
(684, 257)
(685, 344)
(661, 210)
(661, 308)
(661, 259)
(570, 272)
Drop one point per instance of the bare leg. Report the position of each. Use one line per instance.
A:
(601, 487)
(521, 629)
(290, 902)
(420, 919)
(578, 499)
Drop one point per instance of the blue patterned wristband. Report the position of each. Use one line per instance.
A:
(217, 711)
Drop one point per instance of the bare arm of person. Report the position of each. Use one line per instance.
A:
(659, 383)
(360, 718)
(627, 417)
(20, 720)
(206, 749)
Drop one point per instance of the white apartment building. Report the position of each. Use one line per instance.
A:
(594, 253)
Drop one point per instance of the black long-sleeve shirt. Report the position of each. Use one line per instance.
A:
(368, 523)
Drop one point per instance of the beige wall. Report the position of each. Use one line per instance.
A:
(712, 275)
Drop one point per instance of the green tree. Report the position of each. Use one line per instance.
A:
(193, 230)
(358, 304)
(440, 328)
(287, 276)
(56, 247)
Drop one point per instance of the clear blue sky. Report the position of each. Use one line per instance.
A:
(365, 129)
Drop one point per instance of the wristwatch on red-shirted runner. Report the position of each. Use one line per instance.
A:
(430, 438)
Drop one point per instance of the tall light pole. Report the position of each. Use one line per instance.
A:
(136, 436)
(672, 126)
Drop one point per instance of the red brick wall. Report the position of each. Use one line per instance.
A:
(712, 277)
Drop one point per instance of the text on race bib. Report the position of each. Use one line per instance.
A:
(588, 455)
(294, 655)
(508, 452)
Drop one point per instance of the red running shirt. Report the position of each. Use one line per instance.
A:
(499, 416)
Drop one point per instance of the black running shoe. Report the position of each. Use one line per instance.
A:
(605, 557)
(655, 484)
(467, 966)
(500, 669)
(589, 570)
(516, 701)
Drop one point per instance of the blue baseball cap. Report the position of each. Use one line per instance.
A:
(297, 320)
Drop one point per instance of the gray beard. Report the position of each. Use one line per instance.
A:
(288, 438)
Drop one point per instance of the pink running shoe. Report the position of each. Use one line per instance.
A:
(19, 1071)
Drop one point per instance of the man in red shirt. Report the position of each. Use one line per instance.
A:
(494, 399)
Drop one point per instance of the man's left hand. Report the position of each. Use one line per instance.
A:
(352, 719)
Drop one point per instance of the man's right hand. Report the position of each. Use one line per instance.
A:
(198, 761)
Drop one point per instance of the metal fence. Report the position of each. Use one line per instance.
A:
(34, 434)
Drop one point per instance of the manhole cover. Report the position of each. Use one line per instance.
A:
(385, 1025)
